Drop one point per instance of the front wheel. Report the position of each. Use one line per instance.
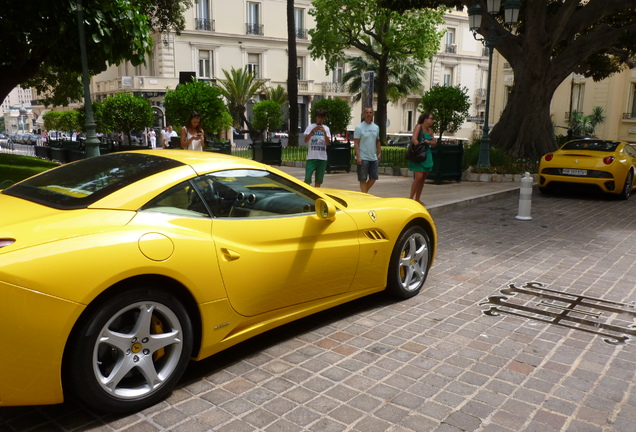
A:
(410, 261)
(129, 353)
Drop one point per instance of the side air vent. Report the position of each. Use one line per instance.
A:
(374, 235)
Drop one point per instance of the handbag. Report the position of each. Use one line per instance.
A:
(417, 153)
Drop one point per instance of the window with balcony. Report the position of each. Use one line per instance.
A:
(253, 64)
(301, 31)
(205, 64)
(576, 101)
(300, 68)
(204, 19)
(449, 39)
(254, 26)
(448, 76)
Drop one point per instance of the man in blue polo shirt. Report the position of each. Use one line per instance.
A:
(366, 142)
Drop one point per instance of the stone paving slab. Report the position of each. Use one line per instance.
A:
(435, 362)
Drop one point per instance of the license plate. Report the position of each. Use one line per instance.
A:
(574, 172)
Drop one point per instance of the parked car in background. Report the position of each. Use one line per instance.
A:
(590, 164)
(129, 265)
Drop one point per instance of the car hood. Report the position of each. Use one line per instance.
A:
(30, 224)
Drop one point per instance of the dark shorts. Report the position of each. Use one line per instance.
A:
(368, 170)
(317, 165)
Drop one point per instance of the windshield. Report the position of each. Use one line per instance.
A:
(606, 146)
(80, 184)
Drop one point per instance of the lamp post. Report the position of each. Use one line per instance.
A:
(92, 143)
(511, 16)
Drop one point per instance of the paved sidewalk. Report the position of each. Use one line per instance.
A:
(437, 198)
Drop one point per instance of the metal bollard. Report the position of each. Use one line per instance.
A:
(525, 197)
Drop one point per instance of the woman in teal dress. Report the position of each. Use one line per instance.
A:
(422, 134)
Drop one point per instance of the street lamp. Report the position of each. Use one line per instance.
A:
(511, 16)
(92, 143)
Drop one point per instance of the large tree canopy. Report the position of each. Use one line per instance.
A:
(378, 32)
(553, 39)
(39, 40)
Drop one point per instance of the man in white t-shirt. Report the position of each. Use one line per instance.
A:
(318, 137)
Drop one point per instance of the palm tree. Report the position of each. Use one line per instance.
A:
(585, 125)
(406, 77)
(277, 94)
(239, 88)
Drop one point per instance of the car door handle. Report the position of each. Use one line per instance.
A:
(230, 255)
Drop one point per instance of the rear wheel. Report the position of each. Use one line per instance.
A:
(131, 351)
(627, 188)
(410, 261)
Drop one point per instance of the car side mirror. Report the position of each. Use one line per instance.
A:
(324, 210)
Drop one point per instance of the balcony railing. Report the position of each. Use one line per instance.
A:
(204, 24)
(334, 87)
(451, 48)
(481, 93)
(254, 29)
(301, 33)
(475, 119)
(629, 116)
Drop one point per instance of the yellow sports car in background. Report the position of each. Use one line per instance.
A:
(590, 163)
(115, 271)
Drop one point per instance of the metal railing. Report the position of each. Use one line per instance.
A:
(254, 29)
(301, 33)
(204, 24)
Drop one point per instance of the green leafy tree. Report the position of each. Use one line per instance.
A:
(338, 114)
(449, 105)
(98, 117)
(581, 124)
(379, 33)
(125, 113)
(200, 97)
(268, 115)
(39, 43)
(595, 38)
(63, 121)
(239, 88)
(406, 76)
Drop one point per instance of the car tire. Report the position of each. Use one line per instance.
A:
(627, 187)
(130, 351)
(410, 262)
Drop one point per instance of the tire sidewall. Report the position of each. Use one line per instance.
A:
(394, 286)
(79, 372)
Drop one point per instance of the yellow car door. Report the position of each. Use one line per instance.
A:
(273, 250)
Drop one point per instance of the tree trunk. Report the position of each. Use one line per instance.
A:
(292, 76)
(383, 100)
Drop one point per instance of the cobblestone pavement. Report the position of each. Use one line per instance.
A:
(436, 362)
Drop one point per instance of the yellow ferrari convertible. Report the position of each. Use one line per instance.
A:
(116, 271)
(590, 164)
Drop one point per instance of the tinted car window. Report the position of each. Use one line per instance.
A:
(606, 146)
(82, 183)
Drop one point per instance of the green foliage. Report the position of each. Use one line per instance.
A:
(449, 106)
(62, 120)
(338, 114)
(98, 117)
(276, 94)
(405, 76)
(585, 125)
(267, 115)
(200, 97)
(39, 43)
(238, 88)
(500, 161)
(125, 112)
